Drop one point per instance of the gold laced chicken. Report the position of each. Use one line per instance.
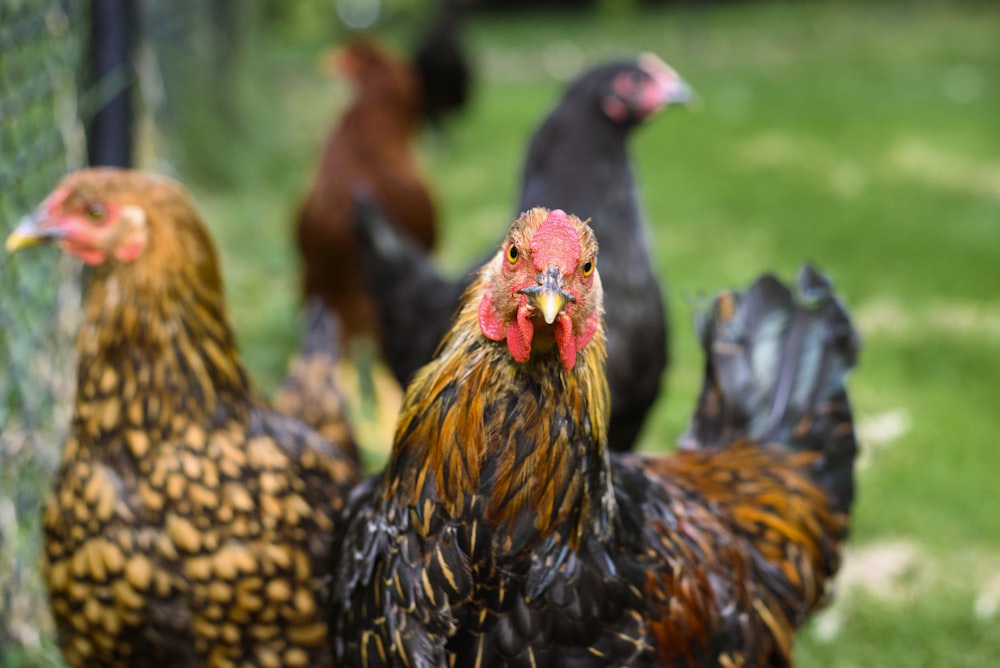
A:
(188, 523)
(503, 531)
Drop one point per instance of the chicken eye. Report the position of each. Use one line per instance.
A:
(95, 211)
(512, 254)
(588, 268)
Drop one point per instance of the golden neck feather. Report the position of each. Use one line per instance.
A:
(155, 349)
(478, 428)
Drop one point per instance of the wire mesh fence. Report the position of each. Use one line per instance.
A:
(40, 139)
(65, 65)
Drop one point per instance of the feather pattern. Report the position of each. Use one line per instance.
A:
(504, 533)
(187, 521)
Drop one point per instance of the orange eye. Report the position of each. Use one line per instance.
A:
(95, 211)
(512, 254)
(588, 268)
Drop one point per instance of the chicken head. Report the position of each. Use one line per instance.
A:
(544, 288)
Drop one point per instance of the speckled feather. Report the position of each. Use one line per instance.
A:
(502, 533)
(186, 519)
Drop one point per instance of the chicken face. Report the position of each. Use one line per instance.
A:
(86, 222)
(543, 289)
(638, 92)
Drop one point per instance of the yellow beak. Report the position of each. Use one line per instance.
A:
(550, 303)
(17, 240)
(548, 296)
(29, 233)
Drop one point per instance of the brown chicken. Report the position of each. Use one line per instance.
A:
(187, 520)
(504, 533)
(371, 146)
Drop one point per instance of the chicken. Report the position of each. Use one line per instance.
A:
(442, 64)
(578, 160)
(371, 145)
(504, 533)
(187, 522)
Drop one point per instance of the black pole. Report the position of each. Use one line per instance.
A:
(109, 133)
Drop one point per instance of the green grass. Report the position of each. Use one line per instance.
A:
(864, 137)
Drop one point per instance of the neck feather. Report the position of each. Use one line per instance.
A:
(525, 443)
(156, 356)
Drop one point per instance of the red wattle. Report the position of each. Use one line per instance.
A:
(519, 335)
(567, 344)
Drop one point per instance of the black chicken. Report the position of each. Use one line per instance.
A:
(503, 532)
(578, 160)
(442, 64)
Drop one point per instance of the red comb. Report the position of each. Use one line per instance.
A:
(556, 242)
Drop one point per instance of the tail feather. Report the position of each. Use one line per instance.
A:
(776, 364)
(322, 335)
(310, 391)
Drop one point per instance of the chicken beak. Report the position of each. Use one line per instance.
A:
(31, 231)
(681, 93)
(673, 89)
(548, 296)
(550, 304)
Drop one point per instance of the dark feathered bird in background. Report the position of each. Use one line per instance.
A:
(442, 64)
(504, 533)
(186, 519)
(578, 160)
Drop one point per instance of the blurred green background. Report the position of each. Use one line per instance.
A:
(864, 137)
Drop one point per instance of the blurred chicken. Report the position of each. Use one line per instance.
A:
(442, 64)
(187, 519)
(578, 160)
(370, 146)
(504, 533)
(310, 390)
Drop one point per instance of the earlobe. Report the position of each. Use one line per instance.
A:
(135, 236)
(489, 322)
(587, 330)
(615, 109)
(129, 250)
